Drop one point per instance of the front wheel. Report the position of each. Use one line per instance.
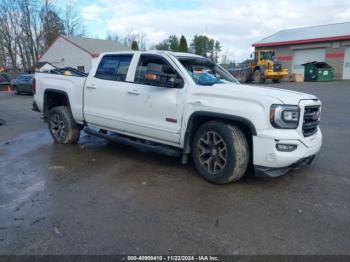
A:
(220, 152)
(276, 81)
(244, 77)
(259, 77)
(62, 126)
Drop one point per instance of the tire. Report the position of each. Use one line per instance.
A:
(244, 77)
(276, 81)
(259, 77)
(220, 152)
(15, 90)
(62, 126)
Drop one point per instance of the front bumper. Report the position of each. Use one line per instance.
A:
(272, 74)
(269, 161)
(263, 171)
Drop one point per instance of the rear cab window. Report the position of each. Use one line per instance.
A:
(114, 67)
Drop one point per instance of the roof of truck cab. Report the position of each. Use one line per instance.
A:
(176, 54)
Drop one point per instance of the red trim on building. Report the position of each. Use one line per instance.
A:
(335, 55)
(304, 41)
(285, 57)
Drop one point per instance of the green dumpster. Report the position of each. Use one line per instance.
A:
(318, 71)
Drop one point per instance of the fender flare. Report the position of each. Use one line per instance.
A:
(45, 106)
(189, 127)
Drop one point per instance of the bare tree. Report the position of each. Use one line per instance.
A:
(115, 38)
(7, 33)
(132, 36)
(27, 27)
(52, 25)
(72, 20)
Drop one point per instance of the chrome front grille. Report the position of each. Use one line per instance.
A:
(311, 120)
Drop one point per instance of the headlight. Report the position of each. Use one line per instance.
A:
(284, 116)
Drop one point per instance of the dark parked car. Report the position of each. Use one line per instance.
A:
(23, 84)
(4, 79)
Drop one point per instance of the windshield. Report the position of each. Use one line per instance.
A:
(206, 73)
(266, 55)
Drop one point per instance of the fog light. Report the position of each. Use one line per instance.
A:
(286, 147)
(271, 157)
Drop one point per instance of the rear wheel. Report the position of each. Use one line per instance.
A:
(259, 77)
(276, 81)
(62, 126)
(220, 152)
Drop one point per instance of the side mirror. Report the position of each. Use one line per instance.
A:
(178, 82)
(251, 55)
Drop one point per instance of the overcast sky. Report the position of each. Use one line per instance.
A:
(236, 24)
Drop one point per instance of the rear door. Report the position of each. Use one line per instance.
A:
(307, 55)
(104, 92)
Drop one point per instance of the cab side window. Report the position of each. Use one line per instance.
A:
(153, 64)
(114, 67)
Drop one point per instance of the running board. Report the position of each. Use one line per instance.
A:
(134, 142)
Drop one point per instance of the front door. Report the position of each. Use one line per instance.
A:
(153, 111)
(105, 92)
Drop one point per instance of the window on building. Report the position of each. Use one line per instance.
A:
(113, 67)
(81, 69)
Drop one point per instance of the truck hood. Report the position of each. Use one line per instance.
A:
(283, 95)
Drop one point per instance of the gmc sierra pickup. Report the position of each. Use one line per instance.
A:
(183, 104)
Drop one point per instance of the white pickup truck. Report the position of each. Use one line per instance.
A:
(183, 104)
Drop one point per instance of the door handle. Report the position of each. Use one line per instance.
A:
(91, 87)
(196, 103)
(134, 92)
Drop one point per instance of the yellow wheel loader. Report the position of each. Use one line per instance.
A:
(260, 67)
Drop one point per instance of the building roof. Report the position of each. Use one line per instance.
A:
(41, 64)
(312, 34)
(95, 46)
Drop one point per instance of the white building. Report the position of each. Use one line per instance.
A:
(78, 52)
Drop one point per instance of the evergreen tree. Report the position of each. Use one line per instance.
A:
(173, 43)
(52, 24)
(217, 50)
(134, 45)
(169, 44)
(183, 45)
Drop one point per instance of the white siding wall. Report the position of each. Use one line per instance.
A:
(46, 67)
(63, 53)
